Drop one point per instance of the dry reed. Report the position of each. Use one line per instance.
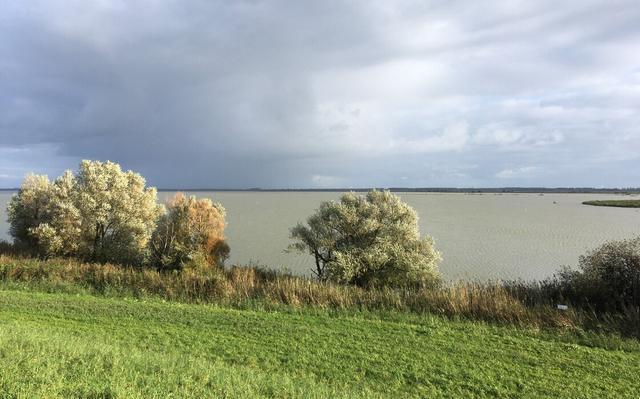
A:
(519, 303)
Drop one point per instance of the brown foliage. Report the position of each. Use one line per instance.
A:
(190, 234)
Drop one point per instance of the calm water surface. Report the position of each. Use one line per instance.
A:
(480, 236)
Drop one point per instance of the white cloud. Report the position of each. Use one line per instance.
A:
(321, 181)
(525, 171)
(515, 137)
(497, 135)
(453, 138)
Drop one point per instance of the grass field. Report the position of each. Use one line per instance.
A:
(615, 203)
(62, 345)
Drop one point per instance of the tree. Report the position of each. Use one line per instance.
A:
(118, 213)
(100, 214)
(28, 209)
(368, 241)
(190, 234)
(59, 233)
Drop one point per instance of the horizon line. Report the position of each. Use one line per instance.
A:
(400, 188)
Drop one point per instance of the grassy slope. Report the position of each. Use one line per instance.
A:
(66, 345)
(615, 203)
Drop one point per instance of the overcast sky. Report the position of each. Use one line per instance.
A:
(232, 94)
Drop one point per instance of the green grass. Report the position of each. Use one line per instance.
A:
(63, 345)
(615, 203)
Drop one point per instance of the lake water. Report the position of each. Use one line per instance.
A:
(480, 236)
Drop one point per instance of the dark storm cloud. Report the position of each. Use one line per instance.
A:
(302, 94)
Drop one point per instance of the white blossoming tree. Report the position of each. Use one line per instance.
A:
(102, 213)
(370, 240)
(28, 209)
(59, 231)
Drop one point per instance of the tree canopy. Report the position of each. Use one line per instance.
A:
(371, 240)
(190, 234)
(101, 213)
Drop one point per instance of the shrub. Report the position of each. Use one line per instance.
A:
(190, 234)
(368, 241)
(609, 276)
(101, 214)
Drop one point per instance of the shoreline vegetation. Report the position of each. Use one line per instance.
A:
(530, 305)
(615, 203)
(102, 230)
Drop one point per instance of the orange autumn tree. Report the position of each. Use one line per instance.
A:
(190, 235)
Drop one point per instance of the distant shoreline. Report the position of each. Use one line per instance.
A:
(500, 190)
(497, 190)
(615, 203)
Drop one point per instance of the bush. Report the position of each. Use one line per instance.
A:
(101, 214)
(368, 241)
(190, 234)
(609, 276)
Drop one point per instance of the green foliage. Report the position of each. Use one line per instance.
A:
(78, 346)
(609, 276)
(101, 213)
(368, 241)
(190, 234)
(615, 203)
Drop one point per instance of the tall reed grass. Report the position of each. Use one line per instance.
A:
(512, 303)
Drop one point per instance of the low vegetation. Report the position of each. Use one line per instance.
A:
(81, 346)
(608, 277)
(615, 203)
(531, 305)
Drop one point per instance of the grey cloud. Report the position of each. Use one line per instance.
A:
(302, 94)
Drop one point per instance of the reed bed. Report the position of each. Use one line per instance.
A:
(532, 305)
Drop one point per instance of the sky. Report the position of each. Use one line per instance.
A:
(319, 94)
